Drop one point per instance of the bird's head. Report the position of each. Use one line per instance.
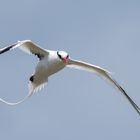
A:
(63, 56)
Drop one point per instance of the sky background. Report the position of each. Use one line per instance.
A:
(75, 105)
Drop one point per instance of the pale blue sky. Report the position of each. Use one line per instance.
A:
(75, 105)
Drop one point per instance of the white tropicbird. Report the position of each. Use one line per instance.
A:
(52, 62)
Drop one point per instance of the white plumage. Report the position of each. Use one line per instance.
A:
(52, 62)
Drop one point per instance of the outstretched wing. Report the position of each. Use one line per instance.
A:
(103, 74)
(27, 46)
(30, 48)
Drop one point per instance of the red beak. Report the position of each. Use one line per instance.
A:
(65, 60)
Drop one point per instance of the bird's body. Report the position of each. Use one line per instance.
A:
(48, 66)
(51, 62)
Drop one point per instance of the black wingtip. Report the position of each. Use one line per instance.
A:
(7, 49)
(134, 105)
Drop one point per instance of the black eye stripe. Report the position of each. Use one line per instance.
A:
(59, 55)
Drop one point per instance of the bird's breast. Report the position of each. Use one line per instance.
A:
(52, 66)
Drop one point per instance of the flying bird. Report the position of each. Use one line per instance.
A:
(51, 62)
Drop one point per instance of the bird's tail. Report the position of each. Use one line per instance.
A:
(15, 103)
(31, 91)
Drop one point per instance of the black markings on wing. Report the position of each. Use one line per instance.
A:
(28, 47)
(40, 56)
(31, 48)
(105, 75)
(134, 105)
(7, 48)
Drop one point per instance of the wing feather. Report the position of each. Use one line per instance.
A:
(27, 46)
(103, 74)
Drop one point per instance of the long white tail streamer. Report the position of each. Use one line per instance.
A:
(31, 91)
